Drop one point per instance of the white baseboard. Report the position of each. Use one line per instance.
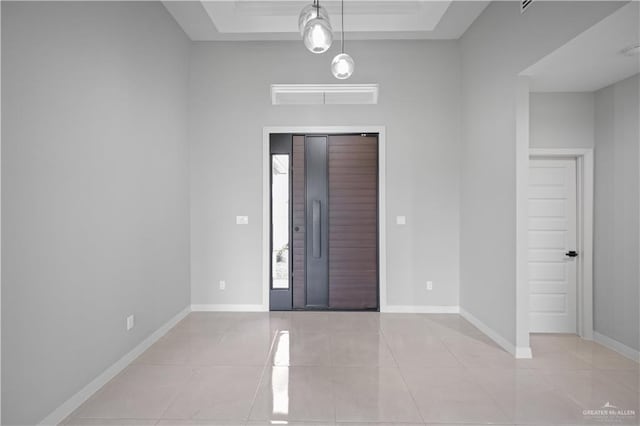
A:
(519, 352)
(523, 352)
(229, 308)
(614, 345)
(69, 406)
(420, 309)
(405, 309)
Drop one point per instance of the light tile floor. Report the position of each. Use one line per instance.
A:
(361, 368)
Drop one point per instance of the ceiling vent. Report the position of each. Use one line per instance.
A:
(525, 5)
(324, 94)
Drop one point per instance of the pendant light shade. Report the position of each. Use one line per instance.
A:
(310, 12)
(342, 66)
(318, 35)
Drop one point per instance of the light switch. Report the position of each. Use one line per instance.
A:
(242, 220)
(401, 220)
(130, 322)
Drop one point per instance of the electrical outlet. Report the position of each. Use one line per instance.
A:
(401, 220)
(223, 285)
(429, 285)
(130, 322)
(242, 220)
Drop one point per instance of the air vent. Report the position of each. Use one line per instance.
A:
(324, 94)
(525, 5)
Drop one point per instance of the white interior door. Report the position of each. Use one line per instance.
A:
(552, 234)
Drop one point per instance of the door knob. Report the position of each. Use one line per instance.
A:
(571, 253)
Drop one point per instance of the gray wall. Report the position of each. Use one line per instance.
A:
(94, 192)
(616, 212)
(561, 120)
(419, 105)
(500, 44)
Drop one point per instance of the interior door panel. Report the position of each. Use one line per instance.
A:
(552, 235)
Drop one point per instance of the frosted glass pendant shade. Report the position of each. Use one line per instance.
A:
(342, 66)
(310, 12)
(318, 35)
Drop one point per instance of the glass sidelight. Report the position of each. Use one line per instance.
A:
(280, 209)
(280, 212)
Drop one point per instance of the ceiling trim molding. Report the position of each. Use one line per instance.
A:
(276, 20)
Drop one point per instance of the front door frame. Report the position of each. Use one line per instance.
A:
(584, 221)
(266, 194)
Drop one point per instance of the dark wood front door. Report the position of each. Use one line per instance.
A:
(333, 223)
(353, 222)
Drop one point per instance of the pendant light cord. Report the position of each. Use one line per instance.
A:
(342, 19)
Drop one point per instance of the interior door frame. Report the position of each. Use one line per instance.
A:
(266, 195)
(584, 221)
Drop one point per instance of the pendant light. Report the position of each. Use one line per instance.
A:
(317, 34)
(309, 12)
(342, 65)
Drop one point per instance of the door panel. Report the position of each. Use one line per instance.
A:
(298, 223)
(353, 218)
(317, 235)
(552, 233)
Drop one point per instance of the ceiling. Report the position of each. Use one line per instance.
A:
(364, 20)
(592, 60)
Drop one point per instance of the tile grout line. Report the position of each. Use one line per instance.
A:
(540, 371)
(193, 369)
(332, 367)
(262, 375)
(413, 398)
(472, 378)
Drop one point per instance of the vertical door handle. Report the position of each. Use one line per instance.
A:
(315, 234)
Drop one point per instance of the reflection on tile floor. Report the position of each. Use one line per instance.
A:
(359, 368)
